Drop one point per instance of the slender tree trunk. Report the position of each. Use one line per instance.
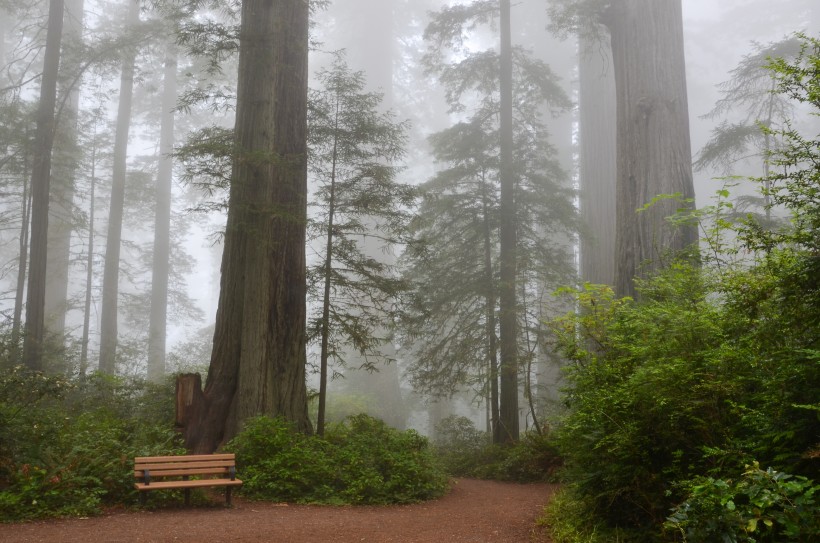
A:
(33, 342)
(111, 272)
(162, 225)
(25, 222)
(4, 21)
(323, 357)
(258, 361)
(372, 49)
(61, 207)
(89, 270)
(597, 162)
(508, 408)
(492, 340)
(653, 150)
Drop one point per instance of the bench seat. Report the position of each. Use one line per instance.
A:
(175, 472)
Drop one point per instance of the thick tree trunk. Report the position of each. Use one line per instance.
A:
(258, 361)
(61, 207)
(653, 149)
(33, 342)
(111, 273)
(508, 392)
(162, 224)
(597, 162)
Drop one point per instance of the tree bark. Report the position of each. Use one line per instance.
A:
(492, 339)
(111, 273)
(324, 355)
(653, 150)
(89, 270)
(597, 161)
(25, 223)
(157, 326)
(61, 207)
(34, 339)
(508, 391)
(258, 360)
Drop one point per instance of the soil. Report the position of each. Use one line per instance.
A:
(473, 511)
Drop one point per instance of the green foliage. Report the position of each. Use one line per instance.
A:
(360, 461)
(359, 210)
(713, 369)
(761, 506)
(454, 267)
(68, 446)
(568, 520)
(465, 451)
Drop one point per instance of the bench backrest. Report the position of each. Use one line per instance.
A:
(171, 466)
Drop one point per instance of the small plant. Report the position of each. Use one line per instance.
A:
(761, 506)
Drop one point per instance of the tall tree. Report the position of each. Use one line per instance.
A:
(362, 209)
(258, 360)
(368, 35)
(653, 150)
(61, 206)
(597, 160)
(162, 222)
(654, 156)
(33, 342)
(508, 415)
(111, 273)
(468, 196)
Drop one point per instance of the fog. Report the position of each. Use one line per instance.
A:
(384, 39)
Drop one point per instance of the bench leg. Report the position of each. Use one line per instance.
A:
(187, 496)
(228, 495)
(143, 498)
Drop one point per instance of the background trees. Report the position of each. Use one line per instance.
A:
(458, 276)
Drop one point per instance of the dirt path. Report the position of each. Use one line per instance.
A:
(474, 511)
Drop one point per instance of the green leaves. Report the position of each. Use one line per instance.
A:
(761, 506)
(360, 461)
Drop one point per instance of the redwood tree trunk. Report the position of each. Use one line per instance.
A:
(597, 162)
(157, 326)
(111, 273)
(61, 207)
(33, 342)
(508, 391)
(653, 151)
(258, 360)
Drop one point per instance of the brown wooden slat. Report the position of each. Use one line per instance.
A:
(180, 472)
(164, 485)
(186, 458)
(181, 465)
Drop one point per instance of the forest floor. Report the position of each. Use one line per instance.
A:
(473, 511)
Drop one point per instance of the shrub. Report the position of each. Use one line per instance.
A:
(67, 446)
(465, 451)
(760, 507)
(359, 461)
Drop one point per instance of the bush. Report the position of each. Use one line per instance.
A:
(359, 461)
(465, 451)
(760, 507)
(68, 446)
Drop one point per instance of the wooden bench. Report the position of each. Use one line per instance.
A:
(176, 472)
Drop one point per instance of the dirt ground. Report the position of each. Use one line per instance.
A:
(474, 511)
